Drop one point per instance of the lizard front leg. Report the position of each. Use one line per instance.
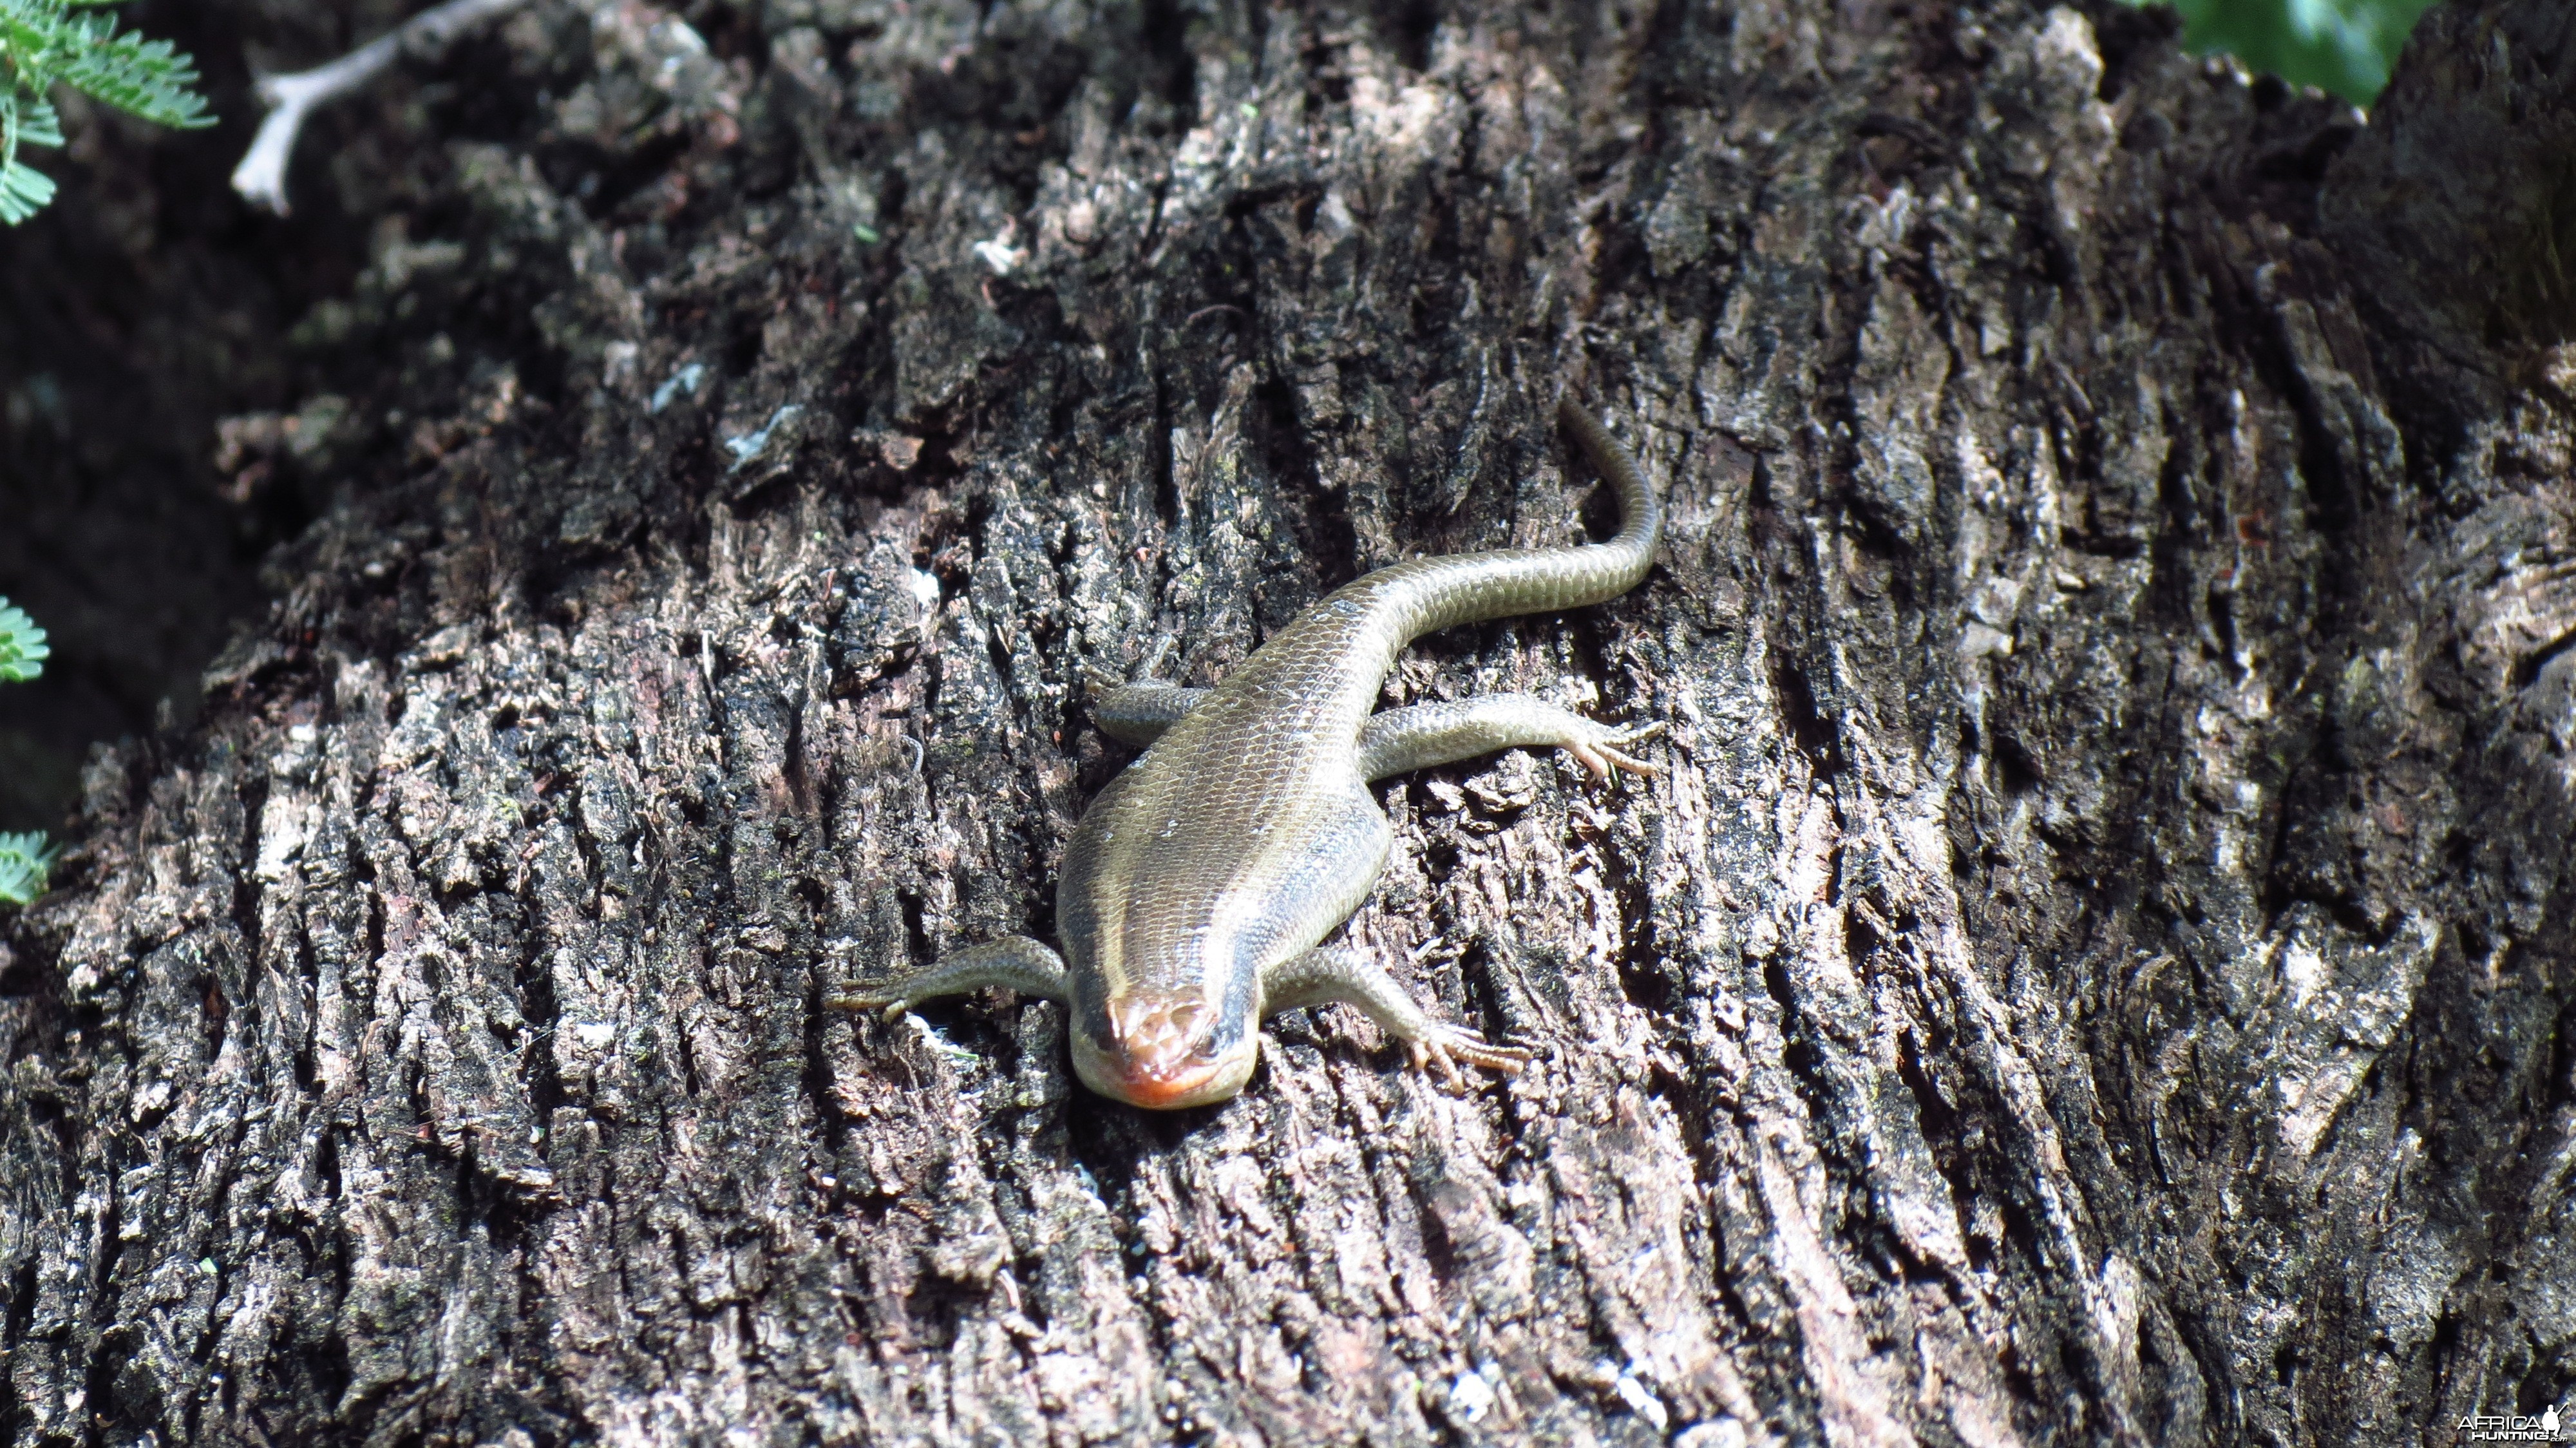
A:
(1337, 973)
(1014, 961)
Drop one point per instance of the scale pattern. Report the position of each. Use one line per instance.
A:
(1246, 834)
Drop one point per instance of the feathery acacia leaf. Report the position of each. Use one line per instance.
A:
(45, 41)
(146, 77)
(26, 862)
(23, 650)
(23, 191)
(39, 124)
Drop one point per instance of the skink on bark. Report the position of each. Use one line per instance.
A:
(1197, 890)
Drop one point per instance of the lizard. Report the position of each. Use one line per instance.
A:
(1197, 889)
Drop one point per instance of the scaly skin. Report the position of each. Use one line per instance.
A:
(1196, 889)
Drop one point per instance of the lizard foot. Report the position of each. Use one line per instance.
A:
(893, 1003)
(1447, 1045)
(1601, 756)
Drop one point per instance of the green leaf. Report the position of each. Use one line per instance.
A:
(146, 77)
(26, 865)
(23, 191)
(43, 42)
(39, 124)
(2344, 46)
(23, 650)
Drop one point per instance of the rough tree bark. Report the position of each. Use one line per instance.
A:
(2097, 970)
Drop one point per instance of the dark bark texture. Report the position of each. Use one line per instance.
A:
(2097, 970)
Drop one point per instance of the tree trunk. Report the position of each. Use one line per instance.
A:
(2097, 968)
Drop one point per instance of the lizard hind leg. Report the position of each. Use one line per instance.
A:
(1138, 713)
(1444, 733)
(1014, 961)
(1337, 973)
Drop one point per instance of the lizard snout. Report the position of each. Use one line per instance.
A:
(1164, 1052)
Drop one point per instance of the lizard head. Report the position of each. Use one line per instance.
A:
(1166, 1050)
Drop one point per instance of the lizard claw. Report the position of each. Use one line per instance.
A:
(1443, 1050)
(1598, 755)
(1429, 1054)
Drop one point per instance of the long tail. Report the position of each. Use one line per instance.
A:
(1432, 593)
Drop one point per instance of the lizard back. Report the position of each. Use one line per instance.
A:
(1245, 834)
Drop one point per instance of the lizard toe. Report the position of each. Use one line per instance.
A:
(1453, 1044)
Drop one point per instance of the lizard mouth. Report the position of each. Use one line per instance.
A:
(1165, 1092)
(1161, 1054)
